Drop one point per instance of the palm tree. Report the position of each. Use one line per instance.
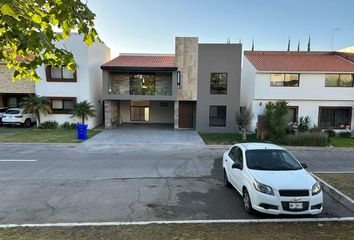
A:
(36, 104)
(84, 110)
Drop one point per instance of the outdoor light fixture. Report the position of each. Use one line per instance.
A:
(179, 79)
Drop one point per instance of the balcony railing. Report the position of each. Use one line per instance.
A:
(140, 91)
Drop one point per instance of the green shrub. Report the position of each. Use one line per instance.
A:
(49, 125)
(68, 125)
(330, 132)
(275, 118)
(308, 139)
(304, 124)
(345, 134)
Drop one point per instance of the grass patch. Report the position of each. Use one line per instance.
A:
(226, 138)
(258, 231)
(34, 135)
(341, 181)
(341, 142)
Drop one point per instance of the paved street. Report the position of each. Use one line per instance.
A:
(129, 183)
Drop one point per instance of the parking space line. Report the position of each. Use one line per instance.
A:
(18, 160)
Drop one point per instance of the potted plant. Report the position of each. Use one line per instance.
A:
(83, 110)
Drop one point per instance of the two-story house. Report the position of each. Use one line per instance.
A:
(197, 87)
(65, 88)
(316, 84)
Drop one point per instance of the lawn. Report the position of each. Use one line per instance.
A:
(254, 231)
(341, 142)
(341, 181)
(33, 135)
(226, 138)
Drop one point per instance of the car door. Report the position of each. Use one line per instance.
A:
(228, 163)
(238, 173)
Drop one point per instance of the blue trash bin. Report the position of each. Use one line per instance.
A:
(81, 131)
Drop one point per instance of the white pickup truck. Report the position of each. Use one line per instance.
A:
(17, 116)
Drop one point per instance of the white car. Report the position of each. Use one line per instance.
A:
(17, 116)
(271, 180)
(2, 112)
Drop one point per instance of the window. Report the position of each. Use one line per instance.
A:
(139, 113)
(62, 105)
(142, 84)
(239, 157)
(292, 114)
(60, 74)
(12, 102)
(339, 80)
(335, 117)
(218, 83)
(284, 80)
(217, 116)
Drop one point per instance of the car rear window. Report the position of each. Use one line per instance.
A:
(12, 111)
(2, 110)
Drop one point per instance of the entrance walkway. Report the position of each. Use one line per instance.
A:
(146, 134)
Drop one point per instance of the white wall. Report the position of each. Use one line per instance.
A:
(89, 79)
(311, 87)
(248, 78)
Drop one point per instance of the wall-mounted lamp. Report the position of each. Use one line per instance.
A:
(179, 79)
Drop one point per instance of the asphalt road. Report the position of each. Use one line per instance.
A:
(129, 183)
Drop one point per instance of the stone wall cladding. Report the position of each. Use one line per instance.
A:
(187, 63)
(111, 112)
(19, 86)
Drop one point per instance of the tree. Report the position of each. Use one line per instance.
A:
(27, 36)
(37, 105)
(275, 118)
(84, 110)
(304, 124)
(243, 119)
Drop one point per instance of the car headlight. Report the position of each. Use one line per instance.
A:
(260, 187)
(316, 188)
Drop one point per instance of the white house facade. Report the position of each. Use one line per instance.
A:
(315, 84)
(65, 88)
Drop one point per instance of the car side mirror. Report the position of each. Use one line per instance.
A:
(304, 165)
(236, 165)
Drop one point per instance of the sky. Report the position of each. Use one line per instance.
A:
(150, 26)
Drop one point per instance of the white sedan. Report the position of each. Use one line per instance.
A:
(271, 180)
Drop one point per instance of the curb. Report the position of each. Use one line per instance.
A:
(220, 221)
(335, 194)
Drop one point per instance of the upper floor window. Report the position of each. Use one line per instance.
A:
(284, 80)
(339, 80)
(218, 83)
(142, 84)
(60, 74)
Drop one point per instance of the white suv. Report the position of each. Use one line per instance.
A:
(17, 116)
(271, 180)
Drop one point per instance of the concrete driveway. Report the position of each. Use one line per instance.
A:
(139, 134)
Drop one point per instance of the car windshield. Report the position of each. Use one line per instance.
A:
(12, 111)
(271, 160)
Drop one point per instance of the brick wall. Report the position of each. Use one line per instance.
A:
(8, 86)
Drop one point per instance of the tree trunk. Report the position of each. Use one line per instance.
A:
(38, 119)
(83, 119)
(244, 136)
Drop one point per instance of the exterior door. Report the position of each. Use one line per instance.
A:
(186, 111)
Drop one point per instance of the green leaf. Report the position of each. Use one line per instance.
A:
(7, 10)
(36, 18)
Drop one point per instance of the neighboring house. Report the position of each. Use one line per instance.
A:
(316, 84)
(198, 87)
(12, 92)
(65, 88)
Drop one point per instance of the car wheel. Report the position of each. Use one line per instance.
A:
(247, 205)
(28, 123)
(226, 180)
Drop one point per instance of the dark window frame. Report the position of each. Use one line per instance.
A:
(62, 111)
(334, 107)
(284, 77)
(48, 71)
(218, 91)
(217, 117)
(338, 81)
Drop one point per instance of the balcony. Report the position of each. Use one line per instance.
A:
(147, 85)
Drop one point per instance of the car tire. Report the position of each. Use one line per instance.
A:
(27, 123)
(226, 180)
(247, 204)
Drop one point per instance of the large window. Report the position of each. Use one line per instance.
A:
(139, 113)
(217, 116)
(63, 105)
(60, 74)
(218, 83)
(284, 80)
(335, 117)
(142, 84)
(339, 80)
